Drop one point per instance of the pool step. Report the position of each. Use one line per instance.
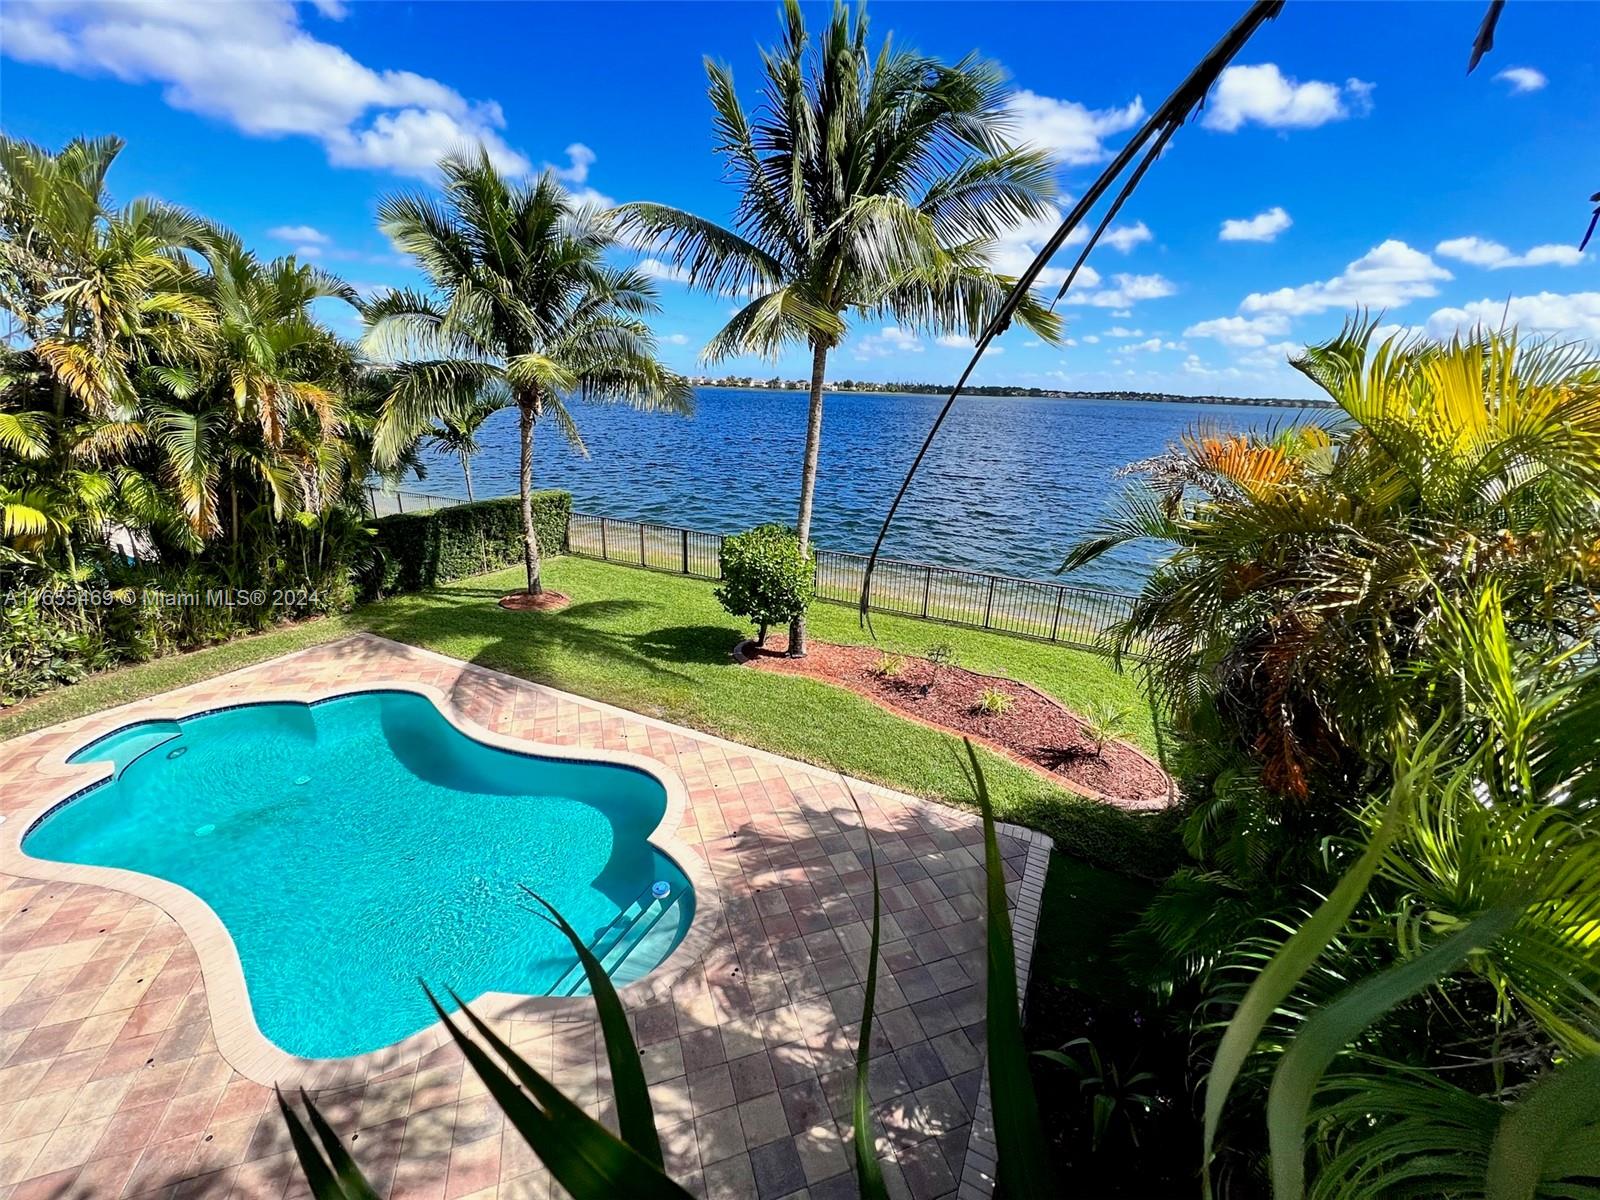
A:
(618, 941)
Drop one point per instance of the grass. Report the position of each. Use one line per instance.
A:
(659, 644)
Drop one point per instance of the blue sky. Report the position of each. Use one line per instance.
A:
(1348, 159)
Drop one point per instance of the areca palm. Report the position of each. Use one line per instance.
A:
(869, 182)
(522, 308)
(1306, 568)
(98, 290)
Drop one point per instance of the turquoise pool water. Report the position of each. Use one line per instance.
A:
(355, 846)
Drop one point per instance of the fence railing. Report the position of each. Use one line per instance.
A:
(385, 502)
(1052, 612)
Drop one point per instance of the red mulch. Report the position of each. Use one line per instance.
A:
(1037, 730)
(546, 601)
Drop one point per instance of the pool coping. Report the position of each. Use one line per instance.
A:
(239, 1039)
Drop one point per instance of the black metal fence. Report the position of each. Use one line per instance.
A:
(1052, 612)
(385, 502)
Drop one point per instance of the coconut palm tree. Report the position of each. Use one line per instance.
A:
(523, 308)
(457, 433)
(871, 183)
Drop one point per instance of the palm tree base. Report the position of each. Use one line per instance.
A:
(545, 601)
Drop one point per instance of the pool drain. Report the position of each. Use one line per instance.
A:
(177, 752)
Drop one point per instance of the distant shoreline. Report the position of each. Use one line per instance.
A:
(990, 390)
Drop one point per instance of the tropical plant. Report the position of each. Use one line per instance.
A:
(768, 577)
(889, 666)
(523, 310)
(457, 434)
(1303, 581)
(994, 702)
(1105, 721)
(1115, 1097)
(871, 182)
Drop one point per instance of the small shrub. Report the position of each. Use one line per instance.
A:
(995, 702)
(889, 665)
(1104, 723)
(766, 577)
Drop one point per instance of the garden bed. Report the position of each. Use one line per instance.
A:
(1037, 730)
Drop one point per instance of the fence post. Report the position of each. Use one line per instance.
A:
(988, 606)
(641, 544)
(927, 586)
(685, 535)
(1055, 622)
(604, 557)
(399, 503)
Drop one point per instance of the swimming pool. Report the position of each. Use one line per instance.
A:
(358, 844)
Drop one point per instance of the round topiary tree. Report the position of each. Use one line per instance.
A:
(767, 576)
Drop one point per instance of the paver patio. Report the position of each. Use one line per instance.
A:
(112, 1083)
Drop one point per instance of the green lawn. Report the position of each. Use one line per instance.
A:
(658, 644)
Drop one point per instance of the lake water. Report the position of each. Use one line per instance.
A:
(1009, 485)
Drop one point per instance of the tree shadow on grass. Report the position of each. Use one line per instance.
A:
(708, 644)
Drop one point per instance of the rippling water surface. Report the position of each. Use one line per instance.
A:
(1009, 485)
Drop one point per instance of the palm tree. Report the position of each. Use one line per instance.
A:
(254, 407)
(523, 309)
(457, 433)
(97, 289)
(870, 183)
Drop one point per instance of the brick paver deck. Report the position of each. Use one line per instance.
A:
(112, 1083)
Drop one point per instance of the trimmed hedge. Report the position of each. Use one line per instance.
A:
(418, 550)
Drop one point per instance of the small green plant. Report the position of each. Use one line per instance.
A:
(1114, 1099)
(995, 702)
(766, 577)
(940, 654)
(889, 666)
(1104, 723)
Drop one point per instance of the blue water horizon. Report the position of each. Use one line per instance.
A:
(1008, 487)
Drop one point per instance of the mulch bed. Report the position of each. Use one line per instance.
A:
(545, 601)
(1037, 731)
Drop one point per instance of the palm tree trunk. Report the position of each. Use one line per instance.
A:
(528, 411)
(808, 481)
(466, 473)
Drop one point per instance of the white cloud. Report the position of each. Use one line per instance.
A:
(1118, 237)
(1481, 252)
(1571, 314)
(579, 159)
(305, 234)
(1241, 331)
(1263, 227)
(891, 339)
(1388, 275)
(1267, 96)
(1523, 79)
(1071, 133)
(654, 268)
(1149, 346)
(1020, 245)
(1118, 331)
(1092, 338)
(955, 341)
(252, 65)
(676, 339)
(1126, 290)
